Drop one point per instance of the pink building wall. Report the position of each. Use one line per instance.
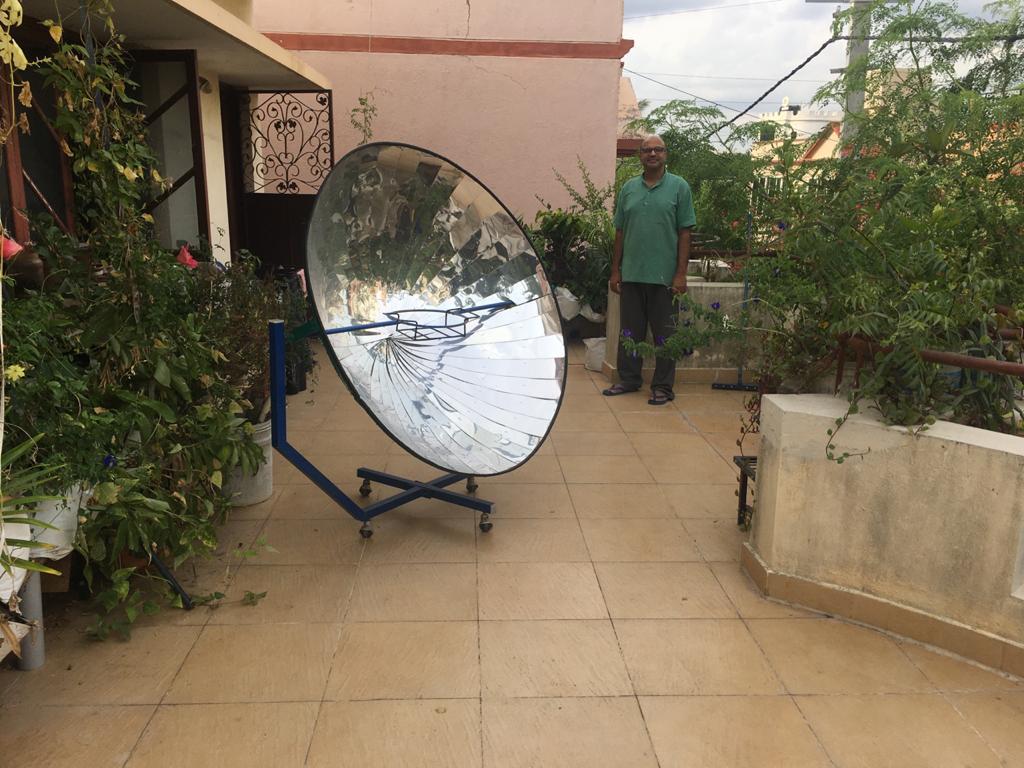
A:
(512, 92)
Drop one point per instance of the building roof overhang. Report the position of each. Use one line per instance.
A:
(226, 46)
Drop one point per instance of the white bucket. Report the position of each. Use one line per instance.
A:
(593, 360)
(10, 583)
(62, 514)
(246, 490)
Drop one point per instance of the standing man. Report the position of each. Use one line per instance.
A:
(653, 218)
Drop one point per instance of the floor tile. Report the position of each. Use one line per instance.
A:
(402, 538)
(999, 717)
(828, 656)
(663, 591)
(310, 542)
(618, 500)
(309, 594)
(719, 541)
(542, 468)
(660, 420)
(689, 468)
(411, 468)
(415, 592)
(671, 444)
(551, 658)
(904, 731)
(634, 402)
(731, 732)
(566, 733)
(604, 469)
(256, 663)
(540, 591)
(308, 502)
(526, 499)
(259, 511)
(333, 442)
(586, 422)
(694, 657)
(70, 737)
(748, 600)
(593, 444)
(412, 660)
(227, 736)
(717, 501)
(584, 402)
(83, 671)
(388, 734)
(716, 420)
(949, 673)
(533, 541)
(638, 539)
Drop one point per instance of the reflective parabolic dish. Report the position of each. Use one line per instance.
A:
(401, 235)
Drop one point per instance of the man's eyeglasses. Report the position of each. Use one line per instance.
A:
(651, 150)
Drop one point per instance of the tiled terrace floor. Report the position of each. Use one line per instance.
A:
(603, 622)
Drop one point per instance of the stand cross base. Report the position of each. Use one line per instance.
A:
(414, 489)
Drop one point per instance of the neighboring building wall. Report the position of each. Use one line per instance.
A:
(500, 92)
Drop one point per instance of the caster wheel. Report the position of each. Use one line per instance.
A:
(365, 489)
(485, 527)
(366, 531)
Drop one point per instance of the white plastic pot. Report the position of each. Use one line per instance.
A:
(10, 583)
(62, 514)
(246, 489)
(593, 360)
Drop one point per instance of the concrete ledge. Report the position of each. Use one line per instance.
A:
(919, 534)
(983, 647)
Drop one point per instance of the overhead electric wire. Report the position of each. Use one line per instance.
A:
(780, 81)
(723, 77)
(697, 10)
(680, 90)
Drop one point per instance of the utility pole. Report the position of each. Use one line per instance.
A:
(857, 49)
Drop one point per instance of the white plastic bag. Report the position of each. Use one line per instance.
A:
(568, 305)
(593, 360)
(588, 313)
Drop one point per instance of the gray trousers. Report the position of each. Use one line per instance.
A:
(643, 306)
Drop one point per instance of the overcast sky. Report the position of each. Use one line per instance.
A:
(731, 55)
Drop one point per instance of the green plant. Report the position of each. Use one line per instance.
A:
(910, 239)
(362, 115)
(575, 244)
(697, 326)
(157, 367)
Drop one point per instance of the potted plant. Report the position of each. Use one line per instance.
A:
(237, 305)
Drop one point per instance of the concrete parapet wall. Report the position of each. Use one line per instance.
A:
(932, 523)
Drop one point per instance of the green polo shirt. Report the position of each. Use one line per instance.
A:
(650, 219)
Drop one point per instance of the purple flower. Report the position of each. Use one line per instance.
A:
(660, 341)
(109, 461)
(781, 225)
(627, 333)
(716, 305)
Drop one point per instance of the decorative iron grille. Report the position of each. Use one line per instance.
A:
(288, 149)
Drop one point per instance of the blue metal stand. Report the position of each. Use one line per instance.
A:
(410, 489)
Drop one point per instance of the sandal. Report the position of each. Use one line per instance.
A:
(661, 395)
(618, 389)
